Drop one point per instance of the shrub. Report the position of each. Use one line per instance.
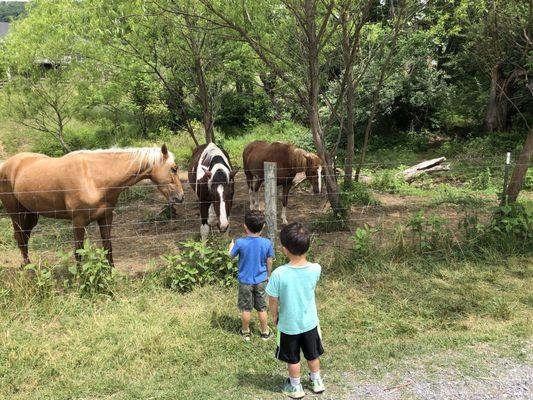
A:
(94, 274)
(428, 232)
(388, 180)
(511, 228)
(197, 263)
(482, 181)
(528, 180)
(356, 193)
(363, 240)
(329, 222)
(43, 278)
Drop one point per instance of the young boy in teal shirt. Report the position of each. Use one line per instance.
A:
(255, 263)
(291, 291)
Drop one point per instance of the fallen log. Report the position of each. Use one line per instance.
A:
(425, 167)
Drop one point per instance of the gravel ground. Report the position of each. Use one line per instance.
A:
(495, 379)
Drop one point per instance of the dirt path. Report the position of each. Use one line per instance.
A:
(485, 377)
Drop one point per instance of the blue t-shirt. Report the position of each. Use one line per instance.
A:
(253, 253)
(295, 289)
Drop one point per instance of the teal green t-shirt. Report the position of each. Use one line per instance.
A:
(295, 289)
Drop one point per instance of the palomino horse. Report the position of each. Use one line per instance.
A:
(212, 179)
(293, 166)
(82, 186)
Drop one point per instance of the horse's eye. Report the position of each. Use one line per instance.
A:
(174, 170)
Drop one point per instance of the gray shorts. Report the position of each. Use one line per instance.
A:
(252, 296)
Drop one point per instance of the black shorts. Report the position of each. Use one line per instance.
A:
(289, 346)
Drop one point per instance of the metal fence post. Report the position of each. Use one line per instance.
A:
(506, 179)
(270, 169)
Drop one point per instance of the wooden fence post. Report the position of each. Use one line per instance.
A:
(505, 179)
(271, 214)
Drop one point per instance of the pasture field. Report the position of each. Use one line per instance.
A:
(396, 295)
(148, 342)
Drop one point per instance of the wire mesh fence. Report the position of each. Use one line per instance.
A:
(145, 225)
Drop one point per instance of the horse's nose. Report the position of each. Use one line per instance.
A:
(177, 198)
(223, 228)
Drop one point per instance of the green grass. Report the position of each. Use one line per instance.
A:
(149, 342)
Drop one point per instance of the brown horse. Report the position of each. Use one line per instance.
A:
(211, 176)
(293, 166)
(82, 186)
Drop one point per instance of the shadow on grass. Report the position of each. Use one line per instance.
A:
(228, 323)
(261, 380)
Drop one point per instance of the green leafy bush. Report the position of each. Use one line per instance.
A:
(197, 264)
(42, 278)
(428, 233)
(93, 275)
(357, 193)
(511, 228)
(363, 240)
(329, 222)
(482, 181)
(388, 180)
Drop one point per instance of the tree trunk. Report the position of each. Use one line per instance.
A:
(349, 128)
(313, 108)
(496, 117)
(520, 170)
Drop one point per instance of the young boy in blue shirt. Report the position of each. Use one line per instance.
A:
(291, 291)
(255, 264)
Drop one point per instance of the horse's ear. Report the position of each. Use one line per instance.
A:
(207, 173)
(233, 173)
(164, 150)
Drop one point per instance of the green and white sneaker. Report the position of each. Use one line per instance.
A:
(245, 335)
(294, 392)
(317, 386)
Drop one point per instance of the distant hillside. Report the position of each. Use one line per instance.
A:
(10, 10)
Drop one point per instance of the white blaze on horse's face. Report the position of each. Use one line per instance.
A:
(320, 179)
(223, 215)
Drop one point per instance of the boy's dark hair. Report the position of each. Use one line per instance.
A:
(296, 238)
(254, 220)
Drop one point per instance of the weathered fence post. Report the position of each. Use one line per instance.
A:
(506, 179)
(270, 201)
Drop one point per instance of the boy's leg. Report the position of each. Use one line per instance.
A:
(263, 319)
(245, 319)
(314, 365)
(260, 304)
(245, 304)
(294, 370)
(312, 349)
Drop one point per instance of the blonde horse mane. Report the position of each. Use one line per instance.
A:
(144, 155)
(298, 158)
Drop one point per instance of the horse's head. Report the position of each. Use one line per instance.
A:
(165, 176)
(313, 171)
(222, 187)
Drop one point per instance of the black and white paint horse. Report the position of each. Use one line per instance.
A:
(211, 176)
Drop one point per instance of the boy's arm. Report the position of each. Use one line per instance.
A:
(269, 267)
(273, 307)
(231, 245)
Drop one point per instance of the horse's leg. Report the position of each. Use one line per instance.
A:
(29, 222)
(105, 223)
(18, 215)
(284, 201)
(250, 184)
(204, 215)
(258, 184)
(18, 219)
(79, 235)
